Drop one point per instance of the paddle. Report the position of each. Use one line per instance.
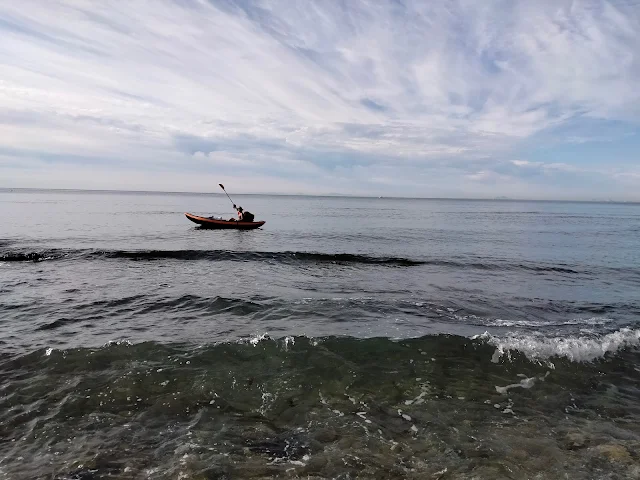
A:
(222, 187)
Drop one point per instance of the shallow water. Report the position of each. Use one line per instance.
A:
(348, 338)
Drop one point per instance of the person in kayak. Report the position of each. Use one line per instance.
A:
(242, 215)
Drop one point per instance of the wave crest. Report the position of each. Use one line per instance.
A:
(577, 349)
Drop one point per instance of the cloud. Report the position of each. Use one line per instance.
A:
(321, 93)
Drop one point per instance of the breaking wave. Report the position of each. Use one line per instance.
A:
(583, 348)
(485, 348)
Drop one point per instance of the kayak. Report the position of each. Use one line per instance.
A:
(205, 222)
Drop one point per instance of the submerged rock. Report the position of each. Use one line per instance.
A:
(325, 435)
(574, 441)
(316, 463)
(634, 472)
(612, 453)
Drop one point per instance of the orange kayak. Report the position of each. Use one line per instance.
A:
(205, 222)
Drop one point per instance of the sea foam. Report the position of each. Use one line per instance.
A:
(574, 348)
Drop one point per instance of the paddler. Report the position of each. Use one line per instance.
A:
(240, 214)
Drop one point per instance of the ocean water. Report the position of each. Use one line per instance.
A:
(348, 338)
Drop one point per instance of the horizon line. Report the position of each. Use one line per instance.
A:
(330, 195)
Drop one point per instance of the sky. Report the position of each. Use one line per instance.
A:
(468, 99)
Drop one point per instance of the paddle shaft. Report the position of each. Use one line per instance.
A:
(225, 192)
(232, 203)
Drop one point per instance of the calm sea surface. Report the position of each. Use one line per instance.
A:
(348, 338)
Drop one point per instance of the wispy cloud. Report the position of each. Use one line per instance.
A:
(405, 97)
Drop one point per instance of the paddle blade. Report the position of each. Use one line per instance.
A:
(221, 186)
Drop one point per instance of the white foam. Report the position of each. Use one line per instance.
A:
(593, 321)
(404, 415)
(362, 415)
(299, 463)
(287, 341)
(577, 349)
(526, 383)
(112, 343)
(258, 338)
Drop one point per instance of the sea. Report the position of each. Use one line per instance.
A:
(348, 338)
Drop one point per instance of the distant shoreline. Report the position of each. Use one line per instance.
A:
(329, 195)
